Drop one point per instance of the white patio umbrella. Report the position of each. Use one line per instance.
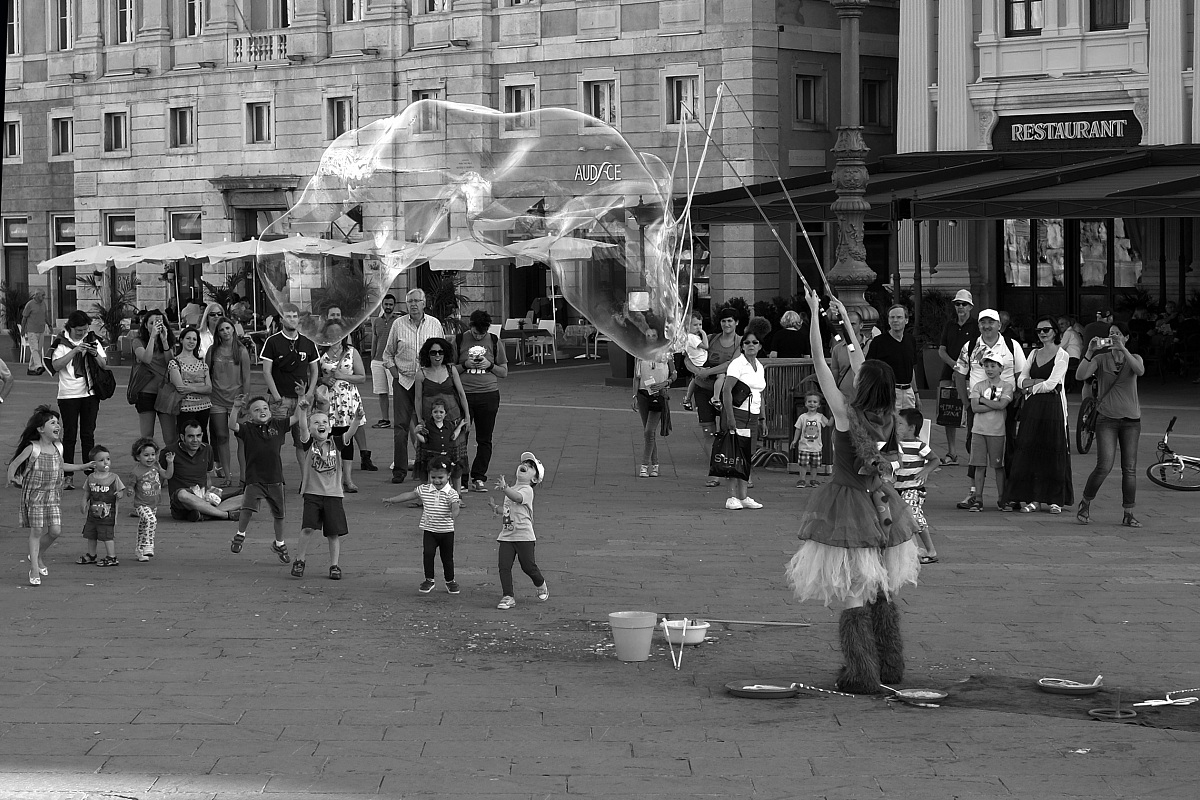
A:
(369, 247)
(461, 255)
(172, 250)
(97, 257)
(229, 251)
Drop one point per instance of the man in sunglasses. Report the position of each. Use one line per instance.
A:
(957, 332)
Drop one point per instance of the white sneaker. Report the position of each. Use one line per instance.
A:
(733, 504)
(543, 591)
(506, 602)
(141, 556)
(750, 502)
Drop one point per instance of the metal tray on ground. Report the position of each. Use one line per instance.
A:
(762, 690)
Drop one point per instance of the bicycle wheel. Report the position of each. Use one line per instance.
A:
(1183, 477)
(1085, 425)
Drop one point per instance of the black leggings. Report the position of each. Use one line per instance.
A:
(78, 424)
(445, 543)
(523, 551)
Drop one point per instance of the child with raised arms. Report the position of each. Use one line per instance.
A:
(321, 485)
(440, 503)
(146, 483)
(808, 441)
(103, 490)
(517, 539)
(38, 467)
(262, 438)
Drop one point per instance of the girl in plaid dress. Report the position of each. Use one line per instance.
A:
(38, 468)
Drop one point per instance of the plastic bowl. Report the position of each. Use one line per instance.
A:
(693, 635)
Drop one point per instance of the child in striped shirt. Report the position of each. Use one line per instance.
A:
(441, 505)
(917, 463)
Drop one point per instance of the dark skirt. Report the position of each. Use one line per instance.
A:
(1041, 465)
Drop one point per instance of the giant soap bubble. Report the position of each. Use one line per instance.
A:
(472, 189)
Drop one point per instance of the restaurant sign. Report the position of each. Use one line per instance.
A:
(1090, 130)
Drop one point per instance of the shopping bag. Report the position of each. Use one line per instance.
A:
(950, 407)
(730, 456)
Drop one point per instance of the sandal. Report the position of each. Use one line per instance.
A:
(298, 568)
(34, 578)
(86, 559)
(712, 482)
(687, 406)
(335, 573)
(1130, 521)
(1029, 508)
(928, 559)
(948, 460)
(236, 545)
(108, 561)
(1084, 514)
(1055, 508)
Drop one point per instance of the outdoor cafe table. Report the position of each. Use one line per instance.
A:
(521, 335)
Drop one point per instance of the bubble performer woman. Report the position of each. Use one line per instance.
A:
(857, 533)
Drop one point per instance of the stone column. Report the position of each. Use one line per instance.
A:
(1166, 72)
(914, 109)
(956, 129)
(851, 275)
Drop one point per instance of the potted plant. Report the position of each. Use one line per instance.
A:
(222, 293)
(442, 300)
(15, 296)
(119, 307)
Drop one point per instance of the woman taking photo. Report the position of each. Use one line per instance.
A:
(152, 348)
(481, 360)
(651, 379)
(188, 373)
(1119, 418)
(229, 370)
(77, 402)
(741, 404)
(721, 350)
(342, 373)
(1041, 469)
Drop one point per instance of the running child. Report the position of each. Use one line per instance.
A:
(917, 463)
(516, 537)
(146, 481)
(37, 467)
(321, 486)
(262, 438)
(808, 442)
(103, 490)
(696, 352)
(436, 438)
(441, 504)
(989, 400)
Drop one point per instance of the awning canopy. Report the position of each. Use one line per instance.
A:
(985, 184)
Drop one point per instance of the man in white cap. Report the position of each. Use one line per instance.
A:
(969, 371)
(957, 332)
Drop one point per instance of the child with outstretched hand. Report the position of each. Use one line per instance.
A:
(262, 438)
(321, 485)
(441, 504)
(102, 491)
(516, 537)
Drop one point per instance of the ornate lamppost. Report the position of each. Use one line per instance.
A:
(851, 275)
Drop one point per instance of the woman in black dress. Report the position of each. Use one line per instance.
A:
(1041, 467)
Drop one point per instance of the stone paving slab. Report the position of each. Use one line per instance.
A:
(208, 675)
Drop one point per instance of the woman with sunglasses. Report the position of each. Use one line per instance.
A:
(209, 320)
(438, 377)
(1040, 476)
(745, 379)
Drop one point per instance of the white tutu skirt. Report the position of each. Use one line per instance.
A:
(829, 572)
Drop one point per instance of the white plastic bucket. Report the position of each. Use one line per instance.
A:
(632, 632)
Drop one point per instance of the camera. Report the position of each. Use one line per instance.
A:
(1106, 342)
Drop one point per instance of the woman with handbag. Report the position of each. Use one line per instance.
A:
(152, 348)
(77, 400)
(722, 348)
(651, 380)
(741, 404)
(189, 376)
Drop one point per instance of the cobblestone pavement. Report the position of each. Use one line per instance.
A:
(204, 674)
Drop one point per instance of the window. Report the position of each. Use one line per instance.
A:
(120, 229)
(269, 14)
(185, 226)
(428, 120)
(600, 100)
(12, 138)
(12, 35)
(432, 6)
(810, 100)
(519, 100)
(182, 123)
(62, 25)
(62, 136)
(341, 116)
(258, 123)
(1023, 17)
(62, 229)
(876, 109)
(684, 103)
(1109, 15)
(351, 10)
(193, 17)
(116, 131)
(123, 26)
(16, 251)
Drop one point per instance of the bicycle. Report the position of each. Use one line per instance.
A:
(1085, 423)
(1174, 470)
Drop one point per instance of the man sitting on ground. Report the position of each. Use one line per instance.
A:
(193, 497)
